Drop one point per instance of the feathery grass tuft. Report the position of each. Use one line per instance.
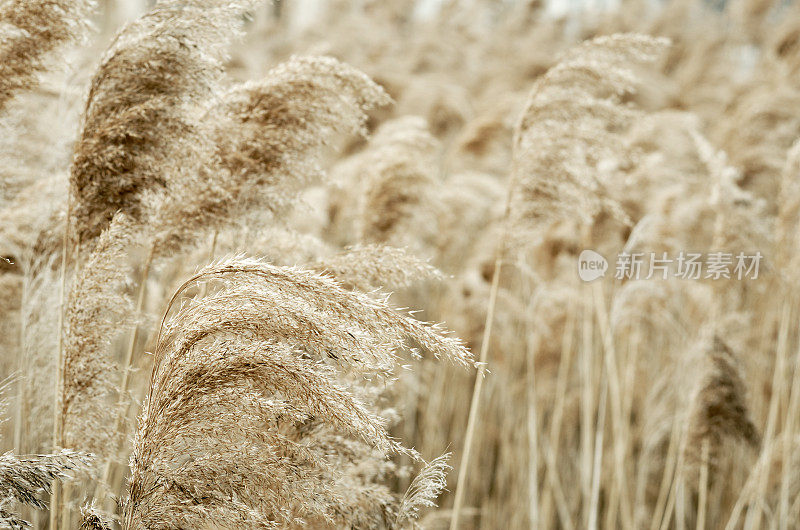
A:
(141, 130)
(570, 134)
(255, 414)
(30, 30)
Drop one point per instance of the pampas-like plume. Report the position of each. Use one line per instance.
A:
(424, 489)
(38, 340)
(33, 221)
(95, 313)
(141, 125)
(29, 31)
(281, 123)
(399, 172)
(719, 409)
(363, 317)
(269, 137)
(254, 416)
(370, 267)
(24, 478)
(570, 130)
(739, 213)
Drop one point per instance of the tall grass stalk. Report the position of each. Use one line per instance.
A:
(58, 420)
(483, 358)
(554, 490)
(702, 488)
(597, 460)
(474, 405)
(792, 412)
(22, 394)
(533, 434)
(753, 519)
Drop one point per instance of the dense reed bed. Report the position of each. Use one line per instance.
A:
(322, 264)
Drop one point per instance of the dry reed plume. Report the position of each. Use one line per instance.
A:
(24, 478)
(141, 124)
(257, 382)
(30, 30)
(269, 138)
(568, 141)
(719, 410)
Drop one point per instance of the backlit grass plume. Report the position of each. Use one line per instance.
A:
(389, 192)
(141, 126)
(33, 220)
(424, 489)
(276, 127)
(29, 31)
(369, 267)
(257, 413)
(93, 519)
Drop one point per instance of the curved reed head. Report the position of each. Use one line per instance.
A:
(259, 410)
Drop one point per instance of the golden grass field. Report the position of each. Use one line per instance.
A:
(465, 264)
